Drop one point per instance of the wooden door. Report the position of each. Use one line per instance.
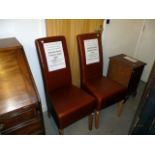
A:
(70, 28)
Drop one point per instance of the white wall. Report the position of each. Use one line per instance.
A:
(26, 31)
(135, 38)
(120, 36)
(145, 50)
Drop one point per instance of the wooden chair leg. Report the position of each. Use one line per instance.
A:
(61, 131)
(97, 119)
(90, 121)
(120, 106)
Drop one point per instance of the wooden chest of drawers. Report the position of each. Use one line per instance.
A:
(126, 72)
(20, 107)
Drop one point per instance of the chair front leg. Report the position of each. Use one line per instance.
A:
(61, 131)
(90, 121)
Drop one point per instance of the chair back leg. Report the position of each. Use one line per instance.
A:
(120, 106)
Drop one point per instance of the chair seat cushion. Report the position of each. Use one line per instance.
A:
(106, 91)
(70, 104)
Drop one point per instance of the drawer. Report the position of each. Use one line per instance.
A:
(16, 117)
(31, 127)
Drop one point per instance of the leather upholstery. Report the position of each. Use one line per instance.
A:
(66, 102)
(71, 104)
(55, 79)
(105, 91)
(94, 70)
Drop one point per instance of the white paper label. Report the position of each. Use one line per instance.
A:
(91, 51)
(54, 55)
(130, 59)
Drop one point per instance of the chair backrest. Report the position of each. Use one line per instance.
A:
(90, 52)
(54, 61)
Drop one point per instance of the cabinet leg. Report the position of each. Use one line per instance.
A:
(120, 106)
(97, 119)
(90, 121)
(61, 131)
(48, 113)
(134, 93)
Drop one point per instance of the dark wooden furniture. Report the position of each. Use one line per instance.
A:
(106, 91)
(66, 103)
(144, 120)
(126, 72)
(20, 109)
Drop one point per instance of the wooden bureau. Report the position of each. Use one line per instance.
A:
(126, 72)
(20, 107)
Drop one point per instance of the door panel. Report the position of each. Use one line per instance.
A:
(145, 48)
(70, 28)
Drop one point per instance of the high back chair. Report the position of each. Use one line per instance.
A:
(65, 102)
(106, 91)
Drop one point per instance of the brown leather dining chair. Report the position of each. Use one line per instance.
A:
(65, 102)
(106, 91)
